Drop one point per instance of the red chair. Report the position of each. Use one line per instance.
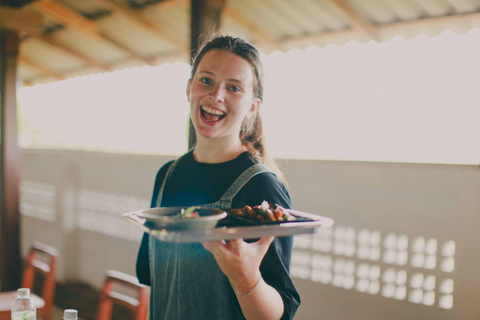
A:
(41, 259)
(111, 295)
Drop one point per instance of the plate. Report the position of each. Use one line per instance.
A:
(249, 221)
(227, 228)
(169, 218)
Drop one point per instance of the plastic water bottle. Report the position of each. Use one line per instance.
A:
(70, 314)
(23, 307)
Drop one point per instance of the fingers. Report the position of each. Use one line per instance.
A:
(213, 246)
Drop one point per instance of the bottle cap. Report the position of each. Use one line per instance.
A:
(23, 292)
(70, 314)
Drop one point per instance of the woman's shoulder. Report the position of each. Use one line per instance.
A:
(261, 187)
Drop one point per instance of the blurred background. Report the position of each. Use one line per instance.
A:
(370, 107)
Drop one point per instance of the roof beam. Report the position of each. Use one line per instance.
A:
(249, 25)
(67, 17)
(385, 31)
(354, 18)
(27, 62)
(75, 20)
(445, 21)
(127, 12)
(21, 20)
(88, 61)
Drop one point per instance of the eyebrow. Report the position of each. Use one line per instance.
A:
(211, 73)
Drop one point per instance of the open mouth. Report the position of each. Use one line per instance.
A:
(212, 115)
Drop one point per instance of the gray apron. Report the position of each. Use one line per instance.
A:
(181, 289)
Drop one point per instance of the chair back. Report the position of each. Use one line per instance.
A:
(42, 259)
(138, 301)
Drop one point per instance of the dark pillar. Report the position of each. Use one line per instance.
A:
(205, 18)
(10, 255)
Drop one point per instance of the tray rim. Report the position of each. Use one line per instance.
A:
(289, 228)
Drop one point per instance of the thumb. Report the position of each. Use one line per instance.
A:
(265, 242)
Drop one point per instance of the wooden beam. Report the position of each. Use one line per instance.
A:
(88, 61)
(67, 17)
(21, 19)
(10, 253)
(385, 31)
(437, 22)
(128, 13)
(75, 20)
(205, 17)
(259, 33)
(354, 18)
(29, 63)
(166, 5)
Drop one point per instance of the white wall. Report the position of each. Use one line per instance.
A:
(370, 265)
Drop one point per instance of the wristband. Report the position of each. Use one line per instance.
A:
(253, 290)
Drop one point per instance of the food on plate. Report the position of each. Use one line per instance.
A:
(265, 212)
(189, 213)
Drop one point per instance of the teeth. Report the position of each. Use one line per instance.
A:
(213, 111)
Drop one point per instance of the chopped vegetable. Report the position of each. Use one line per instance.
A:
(189, 213)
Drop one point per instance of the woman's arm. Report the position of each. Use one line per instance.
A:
(240, 262)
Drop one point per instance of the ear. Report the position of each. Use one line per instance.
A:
(188, 89)
(255, 106)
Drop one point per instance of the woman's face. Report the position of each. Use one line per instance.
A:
(221, 95)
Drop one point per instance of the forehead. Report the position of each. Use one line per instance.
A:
(225, 63)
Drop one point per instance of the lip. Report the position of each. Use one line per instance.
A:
(207, 122)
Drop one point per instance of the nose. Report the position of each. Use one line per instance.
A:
(218, 94)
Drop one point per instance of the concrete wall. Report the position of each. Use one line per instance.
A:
(404, 244)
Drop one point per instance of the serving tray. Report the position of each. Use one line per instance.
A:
(231, 228)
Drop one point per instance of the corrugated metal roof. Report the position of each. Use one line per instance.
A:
(89, 36)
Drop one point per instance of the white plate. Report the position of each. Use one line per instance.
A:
(169, 218)
(225, 232)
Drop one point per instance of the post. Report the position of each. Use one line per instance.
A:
(205, 18)
(10, 253)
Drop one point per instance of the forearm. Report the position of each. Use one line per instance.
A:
(263, 303)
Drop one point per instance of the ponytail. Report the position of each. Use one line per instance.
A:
(252, 137)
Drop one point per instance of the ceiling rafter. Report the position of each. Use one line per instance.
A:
(29, 63)
(457, 19)
(88, 61)
(21, 19)
(358, 22)
(67, 17)
(75, 20)
(166, 4)
(251, 26)
(127, 12)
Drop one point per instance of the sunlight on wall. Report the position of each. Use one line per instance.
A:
(142, 110)
(417, 270)
(402, 101)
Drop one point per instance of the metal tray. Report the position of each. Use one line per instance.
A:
(229, 228)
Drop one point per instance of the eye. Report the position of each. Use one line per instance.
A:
(205, 80)
(235, 89)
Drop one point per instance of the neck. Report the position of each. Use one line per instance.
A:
(208, 151)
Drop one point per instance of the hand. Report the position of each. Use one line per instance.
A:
(240, 261)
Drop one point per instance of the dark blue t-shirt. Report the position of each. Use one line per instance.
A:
(194, 183)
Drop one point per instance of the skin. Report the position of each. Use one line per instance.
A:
(224, 82)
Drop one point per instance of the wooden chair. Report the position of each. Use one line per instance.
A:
(41, 259)
(110, 295)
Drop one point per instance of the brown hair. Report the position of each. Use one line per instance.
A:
(251, 131)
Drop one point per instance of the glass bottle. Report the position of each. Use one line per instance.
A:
(70, 314)
(23, 307)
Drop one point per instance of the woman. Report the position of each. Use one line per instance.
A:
(218, 279)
